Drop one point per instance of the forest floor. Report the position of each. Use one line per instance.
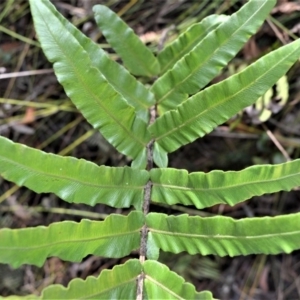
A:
(35, 111)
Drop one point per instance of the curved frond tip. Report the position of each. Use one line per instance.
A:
(136, 56)
(187, 41)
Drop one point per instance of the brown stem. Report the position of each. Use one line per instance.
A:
(146, 205)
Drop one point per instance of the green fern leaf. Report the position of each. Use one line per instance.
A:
(161, 283)
(160, 156)
(196, 69)
(222, 235)
(202, 190)
(187, 41)
(118, 283)
(136, 56)
(71, 179)
(99, 102)
(116, 236)
(122, 81)
(206, 110)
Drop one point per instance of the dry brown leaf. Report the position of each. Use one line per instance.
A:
(286, 8)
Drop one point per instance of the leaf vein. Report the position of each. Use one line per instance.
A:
(186, 188)
(94, 97)
(68, 240)
(220, 102)
(207, 60)
(219, 236)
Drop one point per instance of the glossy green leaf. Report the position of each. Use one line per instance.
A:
(161, 283)
(196, 69)
(98, 101)
(160, 156)
(222, 235)
(187, 41)
(123, 82)
(116, 237)
(71, 179)
(135, 55)
(206, 110)
(118, 283)
(202, 190)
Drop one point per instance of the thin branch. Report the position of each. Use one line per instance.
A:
(25, 73)
(277, 144)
